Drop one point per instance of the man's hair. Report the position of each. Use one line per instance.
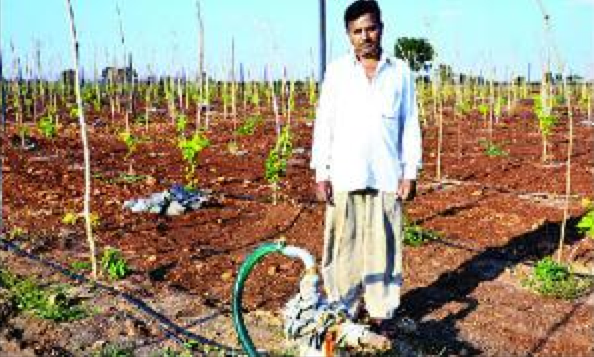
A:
(360, 8)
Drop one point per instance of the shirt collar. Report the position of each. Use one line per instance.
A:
(384, 59)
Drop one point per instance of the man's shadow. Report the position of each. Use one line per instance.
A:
(456, 286)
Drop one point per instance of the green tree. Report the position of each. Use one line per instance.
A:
(416, 51)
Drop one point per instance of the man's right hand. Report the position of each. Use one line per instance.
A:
(324, 192)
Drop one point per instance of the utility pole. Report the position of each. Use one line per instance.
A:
(322, 39)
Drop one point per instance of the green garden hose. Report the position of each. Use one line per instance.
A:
(244, 271)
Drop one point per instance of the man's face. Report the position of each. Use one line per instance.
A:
(365, 34)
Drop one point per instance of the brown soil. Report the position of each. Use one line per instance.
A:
(496, 215)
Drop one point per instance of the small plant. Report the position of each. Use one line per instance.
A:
(546, 122)
(78, 266)
(483, 108)
(47, 126)
(130, 140)
(190, 148)
(586, 224)
(555, 279)
(16, 232)
(492, 149)
(463, 107)
(71, 218)
(276, 163)
(74, 112)
(114, 264)
(181, 122)
(415, 235)
(249, 125)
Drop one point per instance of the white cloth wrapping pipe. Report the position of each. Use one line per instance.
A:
(296, 252)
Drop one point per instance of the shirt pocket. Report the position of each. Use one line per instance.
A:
(388, 103)
(388, 110)
(389, 123)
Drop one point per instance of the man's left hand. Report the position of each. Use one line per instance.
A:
(407, 190)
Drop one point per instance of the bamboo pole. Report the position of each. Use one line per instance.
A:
(123, 82)
(86, 152)
(200, 76)
(233, 86)
(568, 170)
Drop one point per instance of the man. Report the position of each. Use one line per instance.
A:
(366, 153)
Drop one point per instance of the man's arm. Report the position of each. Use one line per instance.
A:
(411, 140)
(322, 141)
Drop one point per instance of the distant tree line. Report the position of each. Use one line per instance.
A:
(420, 54)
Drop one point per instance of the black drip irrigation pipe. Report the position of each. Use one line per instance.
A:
(169, 328)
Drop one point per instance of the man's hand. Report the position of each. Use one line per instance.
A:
(407, 190)
(324, 192)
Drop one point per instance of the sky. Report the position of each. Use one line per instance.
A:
(490, 37)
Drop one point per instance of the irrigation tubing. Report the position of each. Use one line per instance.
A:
(250, 262)
(169, 328)
(244, 271)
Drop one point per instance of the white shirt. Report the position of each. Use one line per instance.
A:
(366, 132)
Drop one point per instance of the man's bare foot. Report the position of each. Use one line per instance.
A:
(376, 341)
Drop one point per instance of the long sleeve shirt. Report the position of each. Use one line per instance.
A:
(366, 132)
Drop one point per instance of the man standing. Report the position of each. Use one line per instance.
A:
(366, 154)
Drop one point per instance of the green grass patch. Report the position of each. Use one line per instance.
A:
(114, 350)
(416, 236)
(46, 302)
(492, 149)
